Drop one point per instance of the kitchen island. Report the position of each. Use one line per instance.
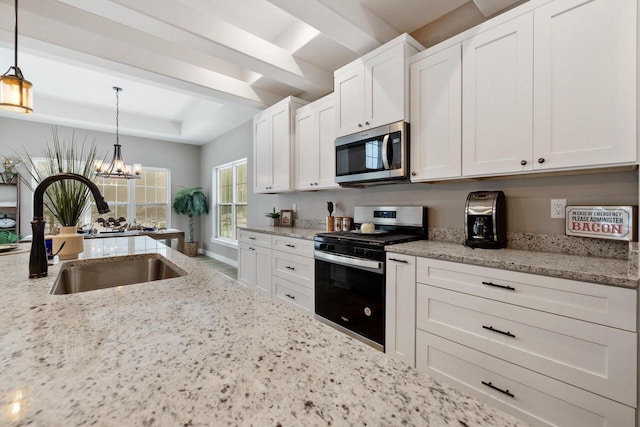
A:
(197, 350)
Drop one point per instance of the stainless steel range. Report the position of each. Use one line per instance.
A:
(350, 269)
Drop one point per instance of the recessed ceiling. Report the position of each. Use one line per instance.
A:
(191, 70)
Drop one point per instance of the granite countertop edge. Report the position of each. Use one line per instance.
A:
(604, 271)
(295, 232)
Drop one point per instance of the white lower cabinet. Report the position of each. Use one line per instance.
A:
(293, 272)
(532, 397)
(400, 310)
(279, 267)
(254, 260)
(293, 294)
(553, 352)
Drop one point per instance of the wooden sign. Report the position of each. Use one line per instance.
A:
(602, 222)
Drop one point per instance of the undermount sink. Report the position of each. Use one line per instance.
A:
(93, 274)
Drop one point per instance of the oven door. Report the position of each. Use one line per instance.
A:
(350, 295)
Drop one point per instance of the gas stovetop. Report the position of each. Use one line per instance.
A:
(393, 224)
(380, 238)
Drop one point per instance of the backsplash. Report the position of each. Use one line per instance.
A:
(555, 243)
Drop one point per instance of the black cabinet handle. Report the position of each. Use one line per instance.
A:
(488, 384)
(510, 288)
(289, 246)
(289, 296)
(252, 238)
(252, 249)
(541, 160)
(523, 162)
(289, 267)
(492, 329)
(404, 261)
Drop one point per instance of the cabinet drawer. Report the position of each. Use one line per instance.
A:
(293, 294)
(605, 305)
(595, 357)
(294, 268)
(535, 398)
(293, 246)
(254, 238)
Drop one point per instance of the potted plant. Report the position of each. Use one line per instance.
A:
(190, 202)
(10, 173)
(274, 217)
(66, 200)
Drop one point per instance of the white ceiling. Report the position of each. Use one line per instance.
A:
(191, 70)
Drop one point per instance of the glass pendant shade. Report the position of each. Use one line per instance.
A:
(15, 93)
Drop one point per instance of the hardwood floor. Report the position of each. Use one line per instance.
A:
(226, 269)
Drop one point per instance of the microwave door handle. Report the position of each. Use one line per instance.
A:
(385, 152)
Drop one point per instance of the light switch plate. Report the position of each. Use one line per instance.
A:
(558, 208)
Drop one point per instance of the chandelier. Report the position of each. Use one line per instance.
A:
(117, 167)
(15, 91)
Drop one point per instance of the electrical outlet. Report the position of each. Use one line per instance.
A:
(558, 208)
(294, 207)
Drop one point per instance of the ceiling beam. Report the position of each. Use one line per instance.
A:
(67, 29)
(348, 23)
(193, 29)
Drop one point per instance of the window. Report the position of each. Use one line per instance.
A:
(230, 182)
(151, 197)
(144, 199)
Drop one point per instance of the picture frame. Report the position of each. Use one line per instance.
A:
(286, 218)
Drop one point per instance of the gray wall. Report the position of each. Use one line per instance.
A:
(232, 146)
(528, 197)
(183, 160)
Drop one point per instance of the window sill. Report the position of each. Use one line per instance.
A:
(224, 242)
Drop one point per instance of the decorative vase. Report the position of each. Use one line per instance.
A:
(191, 248)
(73, 243)
(274, 222)
(9, 177)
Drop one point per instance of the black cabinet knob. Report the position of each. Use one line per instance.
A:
(523, 162)
(541, 160)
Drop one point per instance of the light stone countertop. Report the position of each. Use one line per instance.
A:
(606, 271)
(197, 350)
(295, 232)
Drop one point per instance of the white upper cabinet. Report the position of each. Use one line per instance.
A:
(373, 90)
(585, 86)
(436, 103)
(497, 90)
(546, 86)
(314, 145)
(273, 135)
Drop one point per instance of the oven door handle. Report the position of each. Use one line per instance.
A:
(361, 264)
(385, 152)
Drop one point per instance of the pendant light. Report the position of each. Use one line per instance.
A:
(15, 91)
(117, 168)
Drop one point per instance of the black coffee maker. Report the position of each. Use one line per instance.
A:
(485, 220)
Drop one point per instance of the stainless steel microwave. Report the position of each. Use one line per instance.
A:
(378, 154)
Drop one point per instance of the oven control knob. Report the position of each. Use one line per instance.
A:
(367, 311)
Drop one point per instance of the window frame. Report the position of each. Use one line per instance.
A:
(215, 238)
(131, 188)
